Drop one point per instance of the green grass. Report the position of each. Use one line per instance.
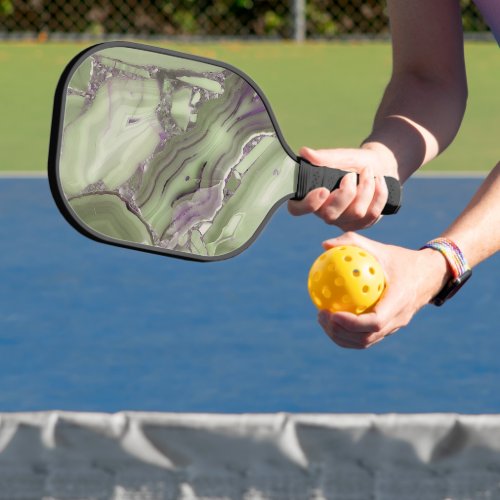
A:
(323, 94)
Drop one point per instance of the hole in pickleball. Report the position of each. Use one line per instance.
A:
(362, 254)
(366, 289)
(326, 292)
(317, 276)
(379, 288)
(359, 310)
(348, 258)
(336, 306)
(339, 281)
(372, 270)
(356, 273)
(346, 299)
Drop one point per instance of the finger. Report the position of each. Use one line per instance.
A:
(365, 191)
(338, 157)
(348, 338)
(340, 339)
(376, 338)
(353, 341)
(338, 334)
(362, 324)
(382, 320)
(344, 344)
(380, 196)
(362, 340)
(338, 201)
(311, 203)
(373, 342)
(366, 208)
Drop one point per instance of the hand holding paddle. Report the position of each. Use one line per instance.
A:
(359, 200)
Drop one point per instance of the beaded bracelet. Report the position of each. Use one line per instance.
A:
(452, 254)
(460, 269)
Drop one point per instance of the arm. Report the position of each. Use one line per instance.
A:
(424, 103)
(477, 230)
(419, 114)
(415, 277)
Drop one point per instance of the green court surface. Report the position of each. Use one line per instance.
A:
(323, 94)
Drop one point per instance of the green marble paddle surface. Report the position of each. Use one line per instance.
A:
(171, 153)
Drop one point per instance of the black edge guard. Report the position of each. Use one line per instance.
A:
(312, 177)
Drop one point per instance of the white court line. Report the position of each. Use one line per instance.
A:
(454, 174)
(11, 174)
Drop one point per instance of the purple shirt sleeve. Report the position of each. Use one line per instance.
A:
(490, 9)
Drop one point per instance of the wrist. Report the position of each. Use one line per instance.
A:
(386, 156)
(437, 273)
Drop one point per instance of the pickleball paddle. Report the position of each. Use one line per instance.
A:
(172, 153)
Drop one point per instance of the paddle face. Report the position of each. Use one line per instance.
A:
(168, 153)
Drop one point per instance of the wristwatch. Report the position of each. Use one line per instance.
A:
(460, 270)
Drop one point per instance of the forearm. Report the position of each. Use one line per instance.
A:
(416, 120)
(477, 230)
(424, 103)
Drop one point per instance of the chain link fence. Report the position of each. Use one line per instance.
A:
(284, 19)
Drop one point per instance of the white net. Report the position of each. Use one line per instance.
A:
(155, 456)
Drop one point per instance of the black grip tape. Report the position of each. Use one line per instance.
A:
(312, 177)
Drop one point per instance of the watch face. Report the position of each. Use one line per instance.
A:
(451, 288)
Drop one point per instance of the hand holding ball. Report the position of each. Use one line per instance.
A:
(346, 278)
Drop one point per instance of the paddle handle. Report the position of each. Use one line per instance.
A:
(312, 177)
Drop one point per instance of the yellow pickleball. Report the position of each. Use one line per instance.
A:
(346, 278)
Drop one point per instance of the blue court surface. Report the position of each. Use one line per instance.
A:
(90, 327)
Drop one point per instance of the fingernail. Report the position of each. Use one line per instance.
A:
(324, 194)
